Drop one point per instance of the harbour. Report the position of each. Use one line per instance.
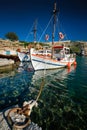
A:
(43, 85)
(63, 100)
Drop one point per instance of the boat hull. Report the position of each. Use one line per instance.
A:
(45, 62)
(23, 57)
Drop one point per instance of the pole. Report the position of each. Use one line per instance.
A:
(54, 25)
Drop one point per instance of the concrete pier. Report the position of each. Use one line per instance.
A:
(6, 62)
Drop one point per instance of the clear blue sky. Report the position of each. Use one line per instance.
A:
(18, 16)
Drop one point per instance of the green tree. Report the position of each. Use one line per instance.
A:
(11, 36)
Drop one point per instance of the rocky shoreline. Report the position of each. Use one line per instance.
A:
(15, 58)
(6, 62)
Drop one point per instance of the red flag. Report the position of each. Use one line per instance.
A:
(61, 36)
(46, 37)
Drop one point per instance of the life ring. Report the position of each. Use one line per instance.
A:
(17, 124)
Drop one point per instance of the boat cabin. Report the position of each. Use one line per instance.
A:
(61, 51)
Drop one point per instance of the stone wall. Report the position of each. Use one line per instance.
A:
(10, 45)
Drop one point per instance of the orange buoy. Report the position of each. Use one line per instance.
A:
(18, 50)
(68, 65)
(74, 63)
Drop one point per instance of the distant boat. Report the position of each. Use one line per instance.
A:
(82, 53)
(23, 56)
(60, 55)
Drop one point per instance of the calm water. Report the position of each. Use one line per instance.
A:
(62, 104)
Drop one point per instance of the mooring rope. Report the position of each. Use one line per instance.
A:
(42, 85)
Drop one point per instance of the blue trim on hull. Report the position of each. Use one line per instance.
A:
(47, 63)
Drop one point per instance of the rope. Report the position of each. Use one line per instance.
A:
(45, 29)
(30, 32)
(42, 85)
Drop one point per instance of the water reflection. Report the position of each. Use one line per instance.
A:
(25, 66)
(62, 103)
(23, 83)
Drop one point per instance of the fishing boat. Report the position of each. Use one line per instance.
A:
(23, 56)
(60, 55)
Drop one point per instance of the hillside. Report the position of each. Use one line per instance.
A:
(75, 46)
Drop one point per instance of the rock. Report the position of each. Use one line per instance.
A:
(6, 62)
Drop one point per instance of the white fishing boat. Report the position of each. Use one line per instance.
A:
(60, 59)
(60, 55)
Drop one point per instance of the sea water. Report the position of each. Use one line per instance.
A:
(62, 103)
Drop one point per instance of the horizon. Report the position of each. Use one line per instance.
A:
(19, 16)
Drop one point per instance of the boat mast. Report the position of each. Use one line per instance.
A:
(54, 26)
(35, 30)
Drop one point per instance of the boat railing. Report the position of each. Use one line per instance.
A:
(72, 55)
